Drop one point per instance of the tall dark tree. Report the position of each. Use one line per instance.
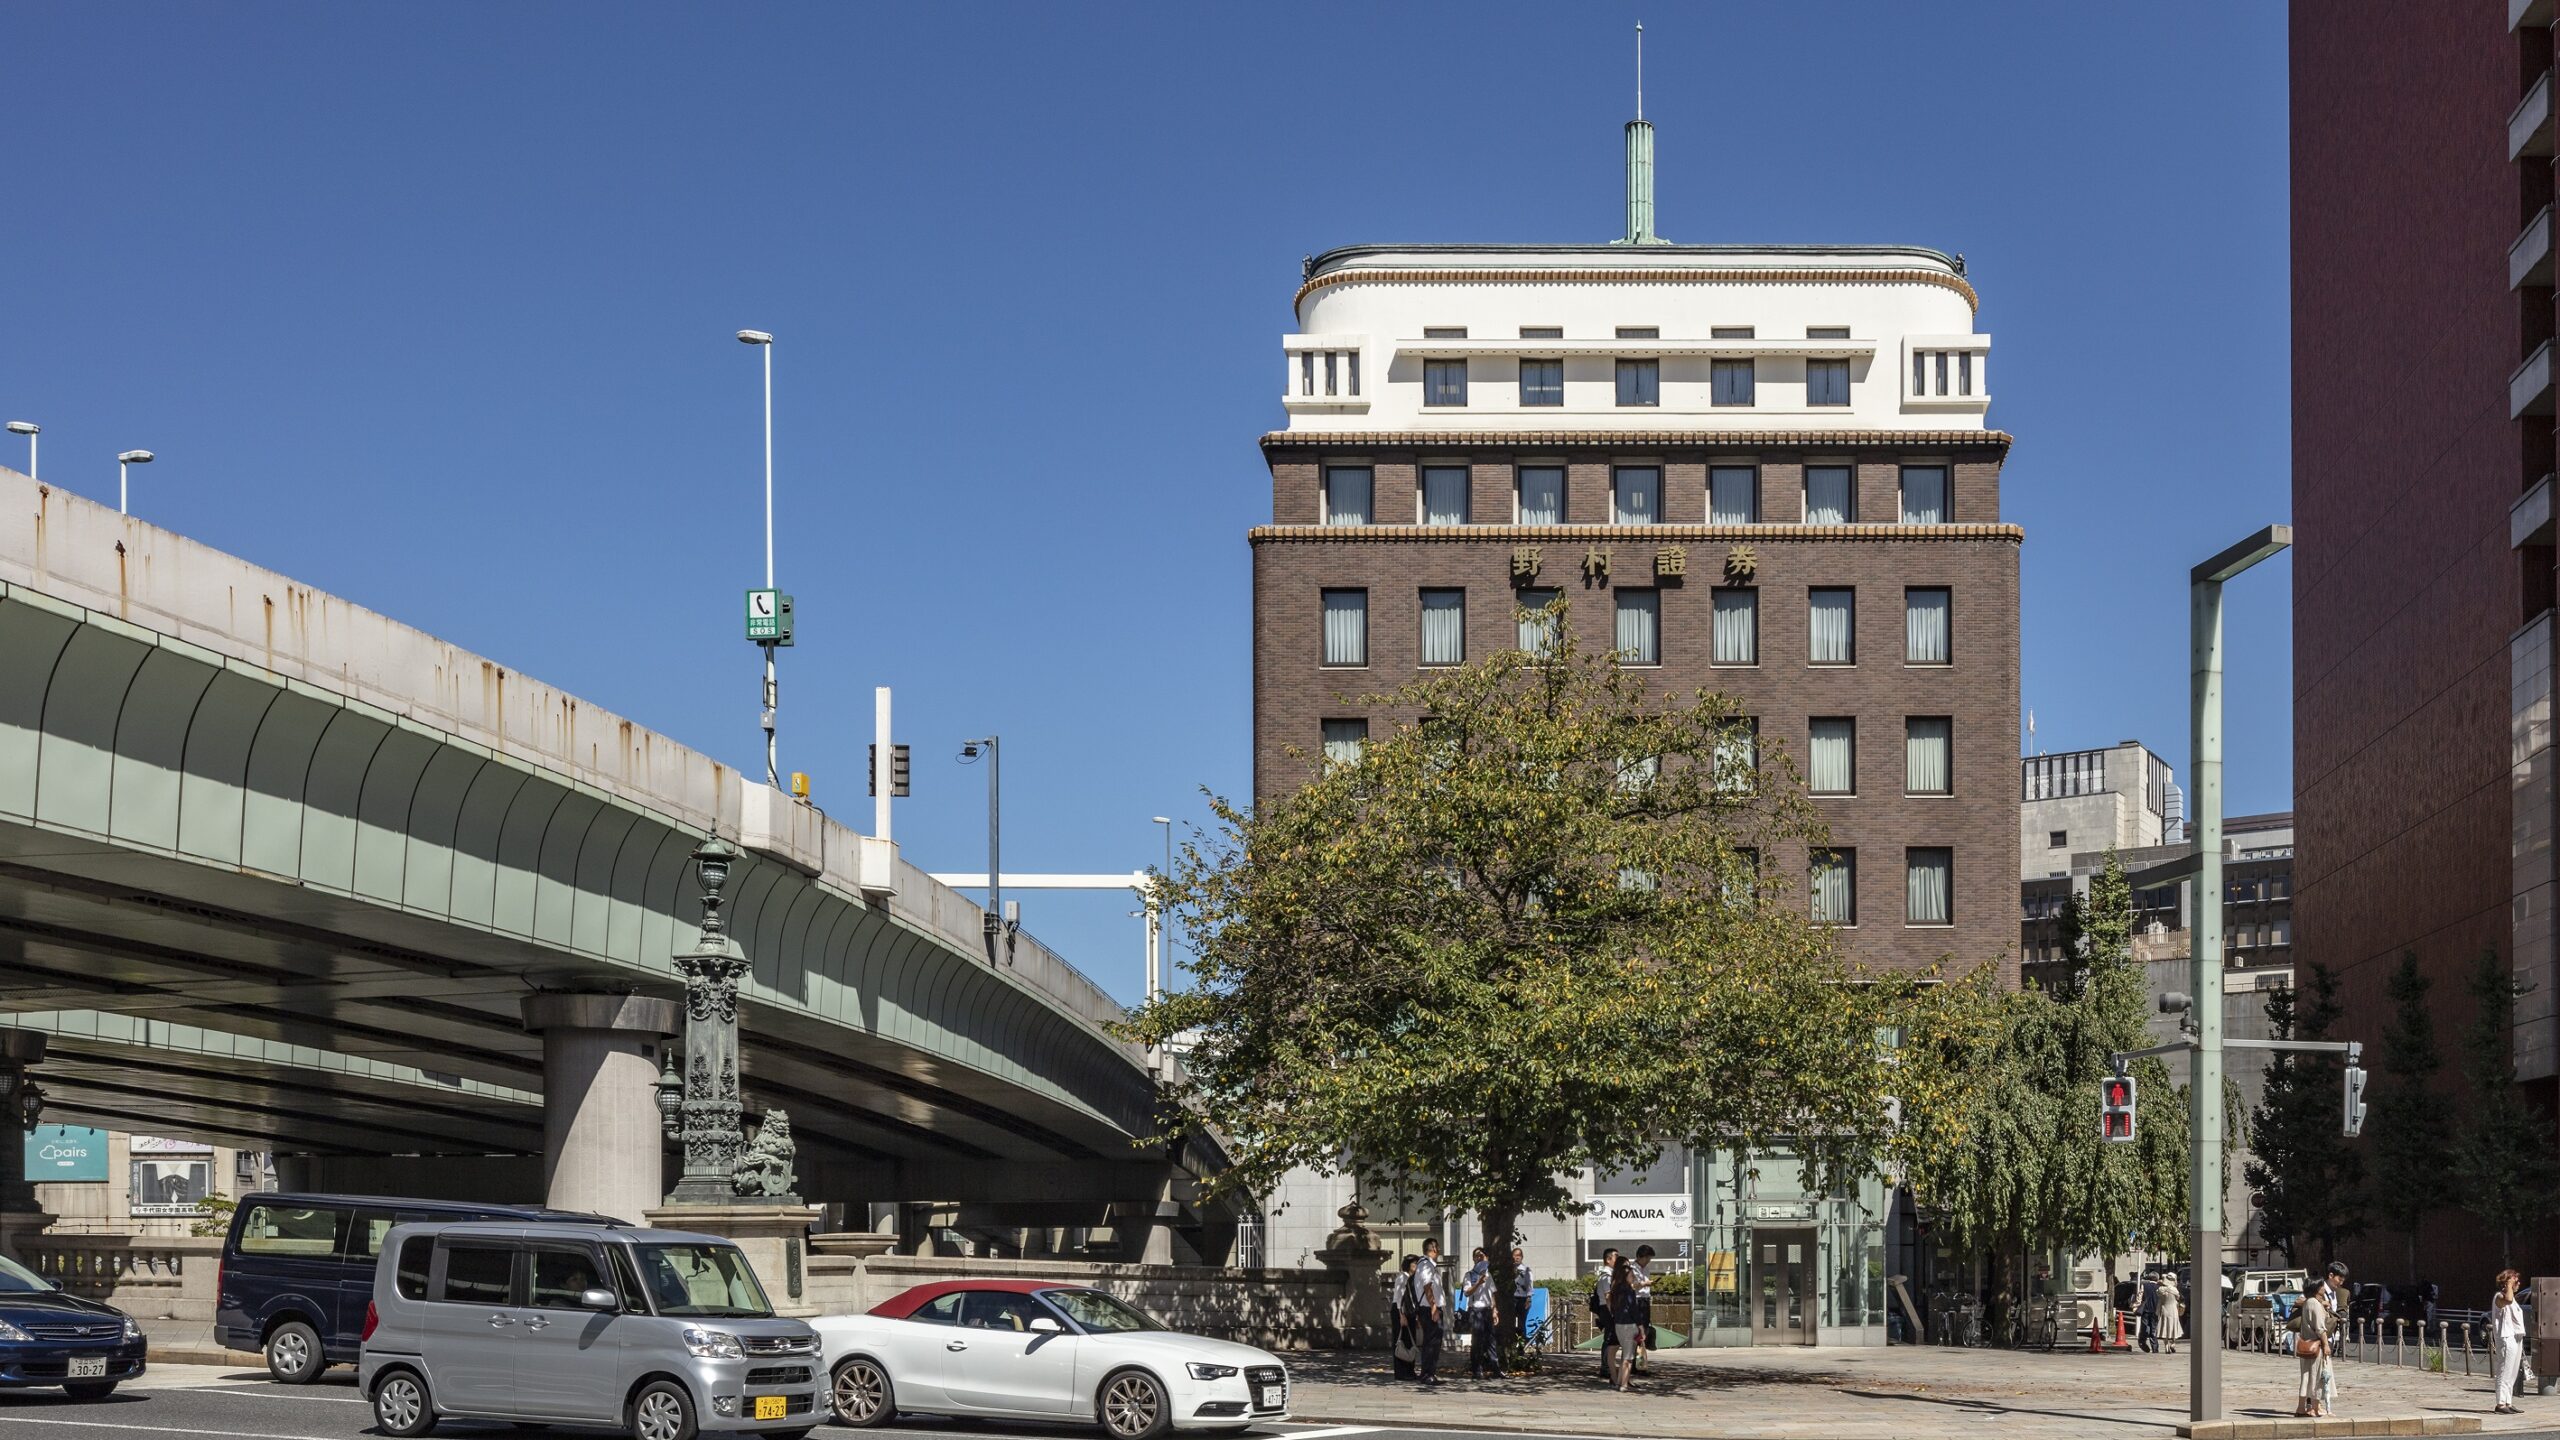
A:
(2310, 1180)
(2503, 1157)
(2411, 1128)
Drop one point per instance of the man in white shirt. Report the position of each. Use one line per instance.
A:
(1644, 1294)
(1430, 1302)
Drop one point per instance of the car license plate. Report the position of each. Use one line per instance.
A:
(1266, 1397)
(88, 1367)
(770, 1407)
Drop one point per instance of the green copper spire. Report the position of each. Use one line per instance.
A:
(1640, 165)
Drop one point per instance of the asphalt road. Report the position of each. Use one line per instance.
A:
(215, 1402)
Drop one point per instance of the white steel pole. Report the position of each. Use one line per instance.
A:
(121, 487)
(772, 690)
(31, 454)
(885, 765)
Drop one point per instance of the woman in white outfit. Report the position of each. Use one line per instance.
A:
(2506, 1338)
(2171, 1322)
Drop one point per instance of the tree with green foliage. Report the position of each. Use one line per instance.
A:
(2411, 1127)
(2309, 1179)
(2033, 1174)
(1539, 929)
(2502, 1157)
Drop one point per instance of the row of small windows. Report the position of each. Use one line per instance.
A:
(1831, 625)
(1442, 495)
(1733, 381)
(1340, 368)
(1831, 754)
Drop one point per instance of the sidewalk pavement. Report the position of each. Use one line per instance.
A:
(1902, 1392)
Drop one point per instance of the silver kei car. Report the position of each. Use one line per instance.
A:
(659, 1333)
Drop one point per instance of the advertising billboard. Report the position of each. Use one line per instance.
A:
(57, 1154)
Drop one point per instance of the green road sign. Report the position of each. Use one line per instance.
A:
(764, 614)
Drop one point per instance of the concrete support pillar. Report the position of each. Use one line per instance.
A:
(603, 1141)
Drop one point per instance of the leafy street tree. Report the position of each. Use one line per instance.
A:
(2309, 1179)
(2033, 1174)
(1539, 926)
(2411, 1126)
(2502, 1159)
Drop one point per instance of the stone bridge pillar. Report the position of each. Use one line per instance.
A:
(603, 1141)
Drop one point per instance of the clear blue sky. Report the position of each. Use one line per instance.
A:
(431, 306)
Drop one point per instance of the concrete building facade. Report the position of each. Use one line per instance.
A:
(2423, 409)
(1763, 470)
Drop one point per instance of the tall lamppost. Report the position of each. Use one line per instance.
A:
(700, 1101)
(1159, 933)
(2204, 962)
(28, 428)
(763, 340)
(124, 463)
(1000, 928)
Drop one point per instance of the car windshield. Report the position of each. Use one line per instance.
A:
(1099, 1313)
(17, 1279)
(713, 1281)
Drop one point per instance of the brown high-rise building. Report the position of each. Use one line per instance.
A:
(2423, 546)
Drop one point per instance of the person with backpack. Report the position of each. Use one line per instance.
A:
(1626, 1320)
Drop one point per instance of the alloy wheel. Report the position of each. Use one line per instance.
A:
(397, 1403)
(1130, 1405)
(860, 1390)
(661, 1417)
(291, 1351)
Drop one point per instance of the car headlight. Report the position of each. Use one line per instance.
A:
(1211, 1372)
(132, 1329)
(712, 1344)
(12, 1332)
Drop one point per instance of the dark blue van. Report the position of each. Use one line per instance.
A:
(297, 1271)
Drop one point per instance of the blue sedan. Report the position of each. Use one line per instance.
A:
(50, 1337)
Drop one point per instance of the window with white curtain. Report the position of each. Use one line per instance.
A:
(1737, 763)
(1637, 497)
(1734, 382)
(1737, 626)
(1637, 776)
(1833, 756)
(1834, 887)
(1640, 627)
(1444, 627)
(1742, 878)
(1733, 495)
(1834, 626)
(1541, 495)
(1639, 382)
(1928, 761)
(1829, 497)
(1931, 885)
(1537, 628)
(1924, 495)
(1347, 494)
(1826, 382)
(1925, 621)
(1344, 740)
(1346, 627)
(1444, 494)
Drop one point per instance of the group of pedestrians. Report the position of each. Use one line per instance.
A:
(2160, 1314)
(1622, 1308)
(1421, 1302)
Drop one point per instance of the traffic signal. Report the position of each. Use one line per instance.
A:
(2353, 1115)
(2115, 1109)
(899, 771)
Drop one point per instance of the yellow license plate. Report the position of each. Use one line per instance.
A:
(770, 1407)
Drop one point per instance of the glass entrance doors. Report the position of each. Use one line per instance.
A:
(1782, 1287)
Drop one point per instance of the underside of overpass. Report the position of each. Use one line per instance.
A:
(277, 871)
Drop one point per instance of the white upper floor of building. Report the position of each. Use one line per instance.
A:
(1635, 337)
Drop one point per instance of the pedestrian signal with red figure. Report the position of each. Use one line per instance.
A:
(2115, 1109)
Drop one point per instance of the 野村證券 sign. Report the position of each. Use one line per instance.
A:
(59, 1153)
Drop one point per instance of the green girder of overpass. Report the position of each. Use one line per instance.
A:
(281, 906)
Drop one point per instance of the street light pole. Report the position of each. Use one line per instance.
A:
(772, 692)
(124, 462)
(999, 930)
(27, 428)
(1158, 944)
(2205, 1178)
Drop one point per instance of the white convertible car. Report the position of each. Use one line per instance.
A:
(1033, 1350)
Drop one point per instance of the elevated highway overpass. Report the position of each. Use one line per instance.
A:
(277, 870)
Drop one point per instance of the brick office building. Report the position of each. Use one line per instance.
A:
(2423, 544)
(1761, 470)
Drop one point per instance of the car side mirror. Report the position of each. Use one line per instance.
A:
(598, 1299)
(1043, 1325)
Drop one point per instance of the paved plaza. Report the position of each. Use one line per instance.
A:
(1894, 1393)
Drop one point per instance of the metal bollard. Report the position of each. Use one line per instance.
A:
(2399, 1342)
